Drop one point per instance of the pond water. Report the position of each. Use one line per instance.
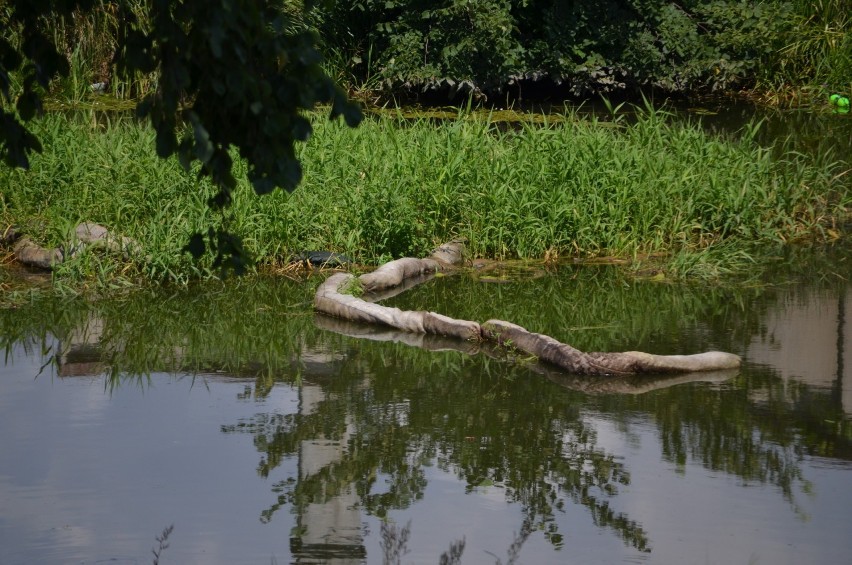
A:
(815, 130)
(267, 434)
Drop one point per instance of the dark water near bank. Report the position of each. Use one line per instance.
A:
(267, 434)
(817, 131)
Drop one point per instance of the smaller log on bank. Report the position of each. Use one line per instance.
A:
(330, 300)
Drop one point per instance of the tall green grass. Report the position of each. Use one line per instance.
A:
(819, 45)
(88, 39)
(395, 187)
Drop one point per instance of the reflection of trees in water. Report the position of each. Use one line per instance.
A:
(758, 430)
(485, 421)
(490, 431)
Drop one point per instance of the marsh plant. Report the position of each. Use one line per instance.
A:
(819, 45)
(398, 187)
(163, 543)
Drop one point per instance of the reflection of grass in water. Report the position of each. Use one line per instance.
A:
(593, 308)
(243, 327)
(260, 326)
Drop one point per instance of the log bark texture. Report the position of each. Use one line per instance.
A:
(628, 363)
(331, 301)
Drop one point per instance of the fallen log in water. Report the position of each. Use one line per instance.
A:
(631, 362)
(337, 297)
(589, 384)
(329, 300)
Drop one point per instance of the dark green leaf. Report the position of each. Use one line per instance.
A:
(301, 129)
(29, 104)
(203, 145)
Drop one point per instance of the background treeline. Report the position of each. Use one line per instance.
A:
(488, 46)
(592, 46)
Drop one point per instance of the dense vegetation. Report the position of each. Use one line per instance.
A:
(592, 46)
(394, 187)
(239, 72)
(486, 46)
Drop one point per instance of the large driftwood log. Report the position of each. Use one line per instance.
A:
(589, 384)
(330, 300)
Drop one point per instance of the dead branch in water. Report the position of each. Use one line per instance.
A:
(333, 299)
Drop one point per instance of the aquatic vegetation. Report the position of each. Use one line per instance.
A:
(398, 187)
(818, 45)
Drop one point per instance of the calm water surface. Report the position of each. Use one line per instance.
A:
(265, 434)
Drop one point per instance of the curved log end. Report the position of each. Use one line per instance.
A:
(452, 253)
(34, 255)
(707, 361)
(394, 273)
(329, 300)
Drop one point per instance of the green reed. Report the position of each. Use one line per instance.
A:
(818, 46)
(396, 187)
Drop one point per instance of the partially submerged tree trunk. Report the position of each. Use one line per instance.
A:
(337, 297)
(631, 362)
(589, 384)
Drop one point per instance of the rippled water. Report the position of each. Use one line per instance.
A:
(264, 433)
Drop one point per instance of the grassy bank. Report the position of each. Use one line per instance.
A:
(392, 188)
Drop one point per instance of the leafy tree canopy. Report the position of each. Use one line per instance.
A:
(232, 73)
(595, 46)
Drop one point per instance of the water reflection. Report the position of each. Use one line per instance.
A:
(328, 528)
(816, 324)
(395, 427)
(378, 420)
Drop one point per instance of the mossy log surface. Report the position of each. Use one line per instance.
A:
(331, 301)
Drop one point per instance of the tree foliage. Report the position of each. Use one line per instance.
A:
(36, 58)
(593, 45)
(233, 74)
